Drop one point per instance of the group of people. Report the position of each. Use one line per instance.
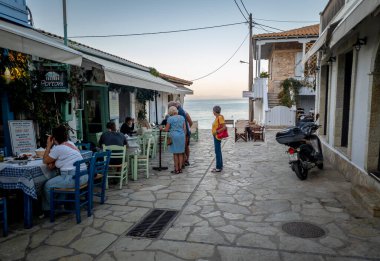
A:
(61, 153)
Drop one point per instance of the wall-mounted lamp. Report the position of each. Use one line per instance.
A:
(331, 59)
(359, 43)
(317, 68)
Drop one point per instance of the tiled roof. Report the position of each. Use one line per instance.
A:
(303, 32)
(175, 79)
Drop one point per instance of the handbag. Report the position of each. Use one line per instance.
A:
(223, 134)
(169, 141)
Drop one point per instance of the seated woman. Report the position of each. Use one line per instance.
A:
(128, 126)
(61, 156)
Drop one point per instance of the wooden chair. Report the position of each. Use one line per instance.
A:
(3, 213)
(83, 146)
(194, 131)
(164, 140)
(118, 165)
(258, 133)
(143, 159)
(98, 135)
(99, 170)
(80, 195)
(241, 133)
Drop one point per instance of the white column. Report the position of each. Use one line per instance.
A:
(259, 62)
(303, 55)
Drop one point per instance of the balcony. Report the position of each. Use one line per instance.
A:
(331, 9)
(260, 87)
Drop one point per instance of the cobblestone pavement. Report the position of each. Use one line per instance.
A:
(233, 215)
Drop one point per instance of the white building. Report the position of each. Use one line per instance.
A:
(348, 92)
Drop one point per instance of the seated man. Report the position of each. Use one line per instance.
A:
(112, 137)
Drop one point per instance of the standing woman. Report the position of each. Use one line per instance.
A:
(176, 127)
(218, 126)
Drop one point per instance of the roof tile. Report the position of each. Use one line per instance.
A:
(307, 31)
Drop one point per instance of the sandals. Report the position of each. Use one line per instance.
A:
(187, 163)
(176, 171)
(216, 170)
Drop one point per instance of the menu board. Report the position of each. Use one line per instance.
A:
(23, 138)
(114, 105)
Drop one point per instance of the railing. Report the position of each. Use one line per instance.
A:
(330, 11)
(259, 87)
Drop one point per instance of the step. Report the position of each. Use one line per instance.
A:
(368, 198)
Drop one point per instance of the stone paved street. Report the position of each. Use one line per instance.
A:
(233, 215)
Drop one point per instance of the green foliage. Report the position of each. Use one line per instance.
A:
(264, 75)
(154, 72)
(290, 90)
(26, 96)
(142, 96)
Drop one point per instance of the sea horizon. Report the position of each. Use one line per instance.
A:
(201, 110)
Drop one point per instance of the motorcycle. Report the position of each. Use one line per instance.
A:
(305, 150)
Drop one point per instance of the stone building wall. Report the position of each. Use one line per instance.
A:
(282, 64)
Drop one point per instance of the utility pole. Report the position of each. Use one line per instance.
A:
(250, 74)
(64, 22)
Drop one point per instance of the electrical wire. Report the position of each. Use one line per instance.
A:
(268, 26)
(152, 33)
(229, 59)
(285, 21)
(244, 7)
(266, 30)
(240, 11)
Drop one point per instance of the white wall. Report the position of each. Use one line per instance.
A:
(332, 102)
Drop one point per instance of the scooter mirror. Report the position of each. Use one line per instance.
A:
(317, 117)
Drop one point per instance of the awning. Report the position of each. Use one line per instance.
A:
(27, 40)
(360, 11)
(184, 90)
(124, 75)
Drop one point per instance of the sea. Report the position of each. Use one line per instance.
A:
(201, 110)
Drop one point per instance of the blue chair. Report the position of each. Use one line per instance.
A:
(83, 146)
(3, 212)
(4, 149)
(80, 195)
(99, 170)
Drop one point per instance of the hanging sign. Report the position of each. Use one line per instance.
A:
(248, 94)
(23, 138)
(54, 81)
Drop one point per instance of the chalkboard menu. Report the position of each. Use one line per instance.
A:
(23, 138)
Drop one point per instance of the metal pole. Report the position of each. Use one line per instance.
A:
(155, 99)
(64, 22)
(250, 74)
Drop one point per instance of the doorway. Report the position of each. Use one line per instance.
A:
(346, 98)
(95, 112)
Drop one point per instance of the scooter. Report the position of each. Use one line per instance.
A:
(305, 150)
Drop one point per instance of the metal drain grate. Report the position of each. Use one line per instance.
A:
(303, 230)
(153, 224)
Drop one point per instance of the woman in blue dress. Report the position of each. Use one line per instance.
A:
(176, 127)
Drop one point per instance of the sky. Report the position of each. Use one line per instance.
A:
(187, 55)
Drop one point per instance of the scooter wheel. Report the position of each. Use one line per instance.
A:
(320, 166)
(300, 171)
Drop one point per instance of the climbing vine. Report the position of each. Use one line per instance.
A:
(289, 93)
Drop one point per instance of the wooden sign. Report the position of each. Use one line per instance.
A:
(23, 138)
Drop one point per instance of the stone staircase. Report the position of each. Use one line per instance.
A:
(368, 198)
(273, 100)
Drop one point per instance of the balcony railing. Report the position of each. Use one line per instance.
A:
(330, 11)
(260, 87)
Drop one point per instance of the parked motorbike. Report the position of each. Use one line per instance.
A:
(305, 151)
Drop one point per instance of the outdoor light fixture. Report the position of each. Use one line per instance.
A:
(243, 62)
(331, 59)
(359, 43)
(317, 68)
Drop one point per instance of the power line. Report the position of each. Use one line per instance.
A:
(240, 11)
(285, 21)
(244, 7)
(262, 28)
(214, 71)
(153, 33)
(269, 26)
